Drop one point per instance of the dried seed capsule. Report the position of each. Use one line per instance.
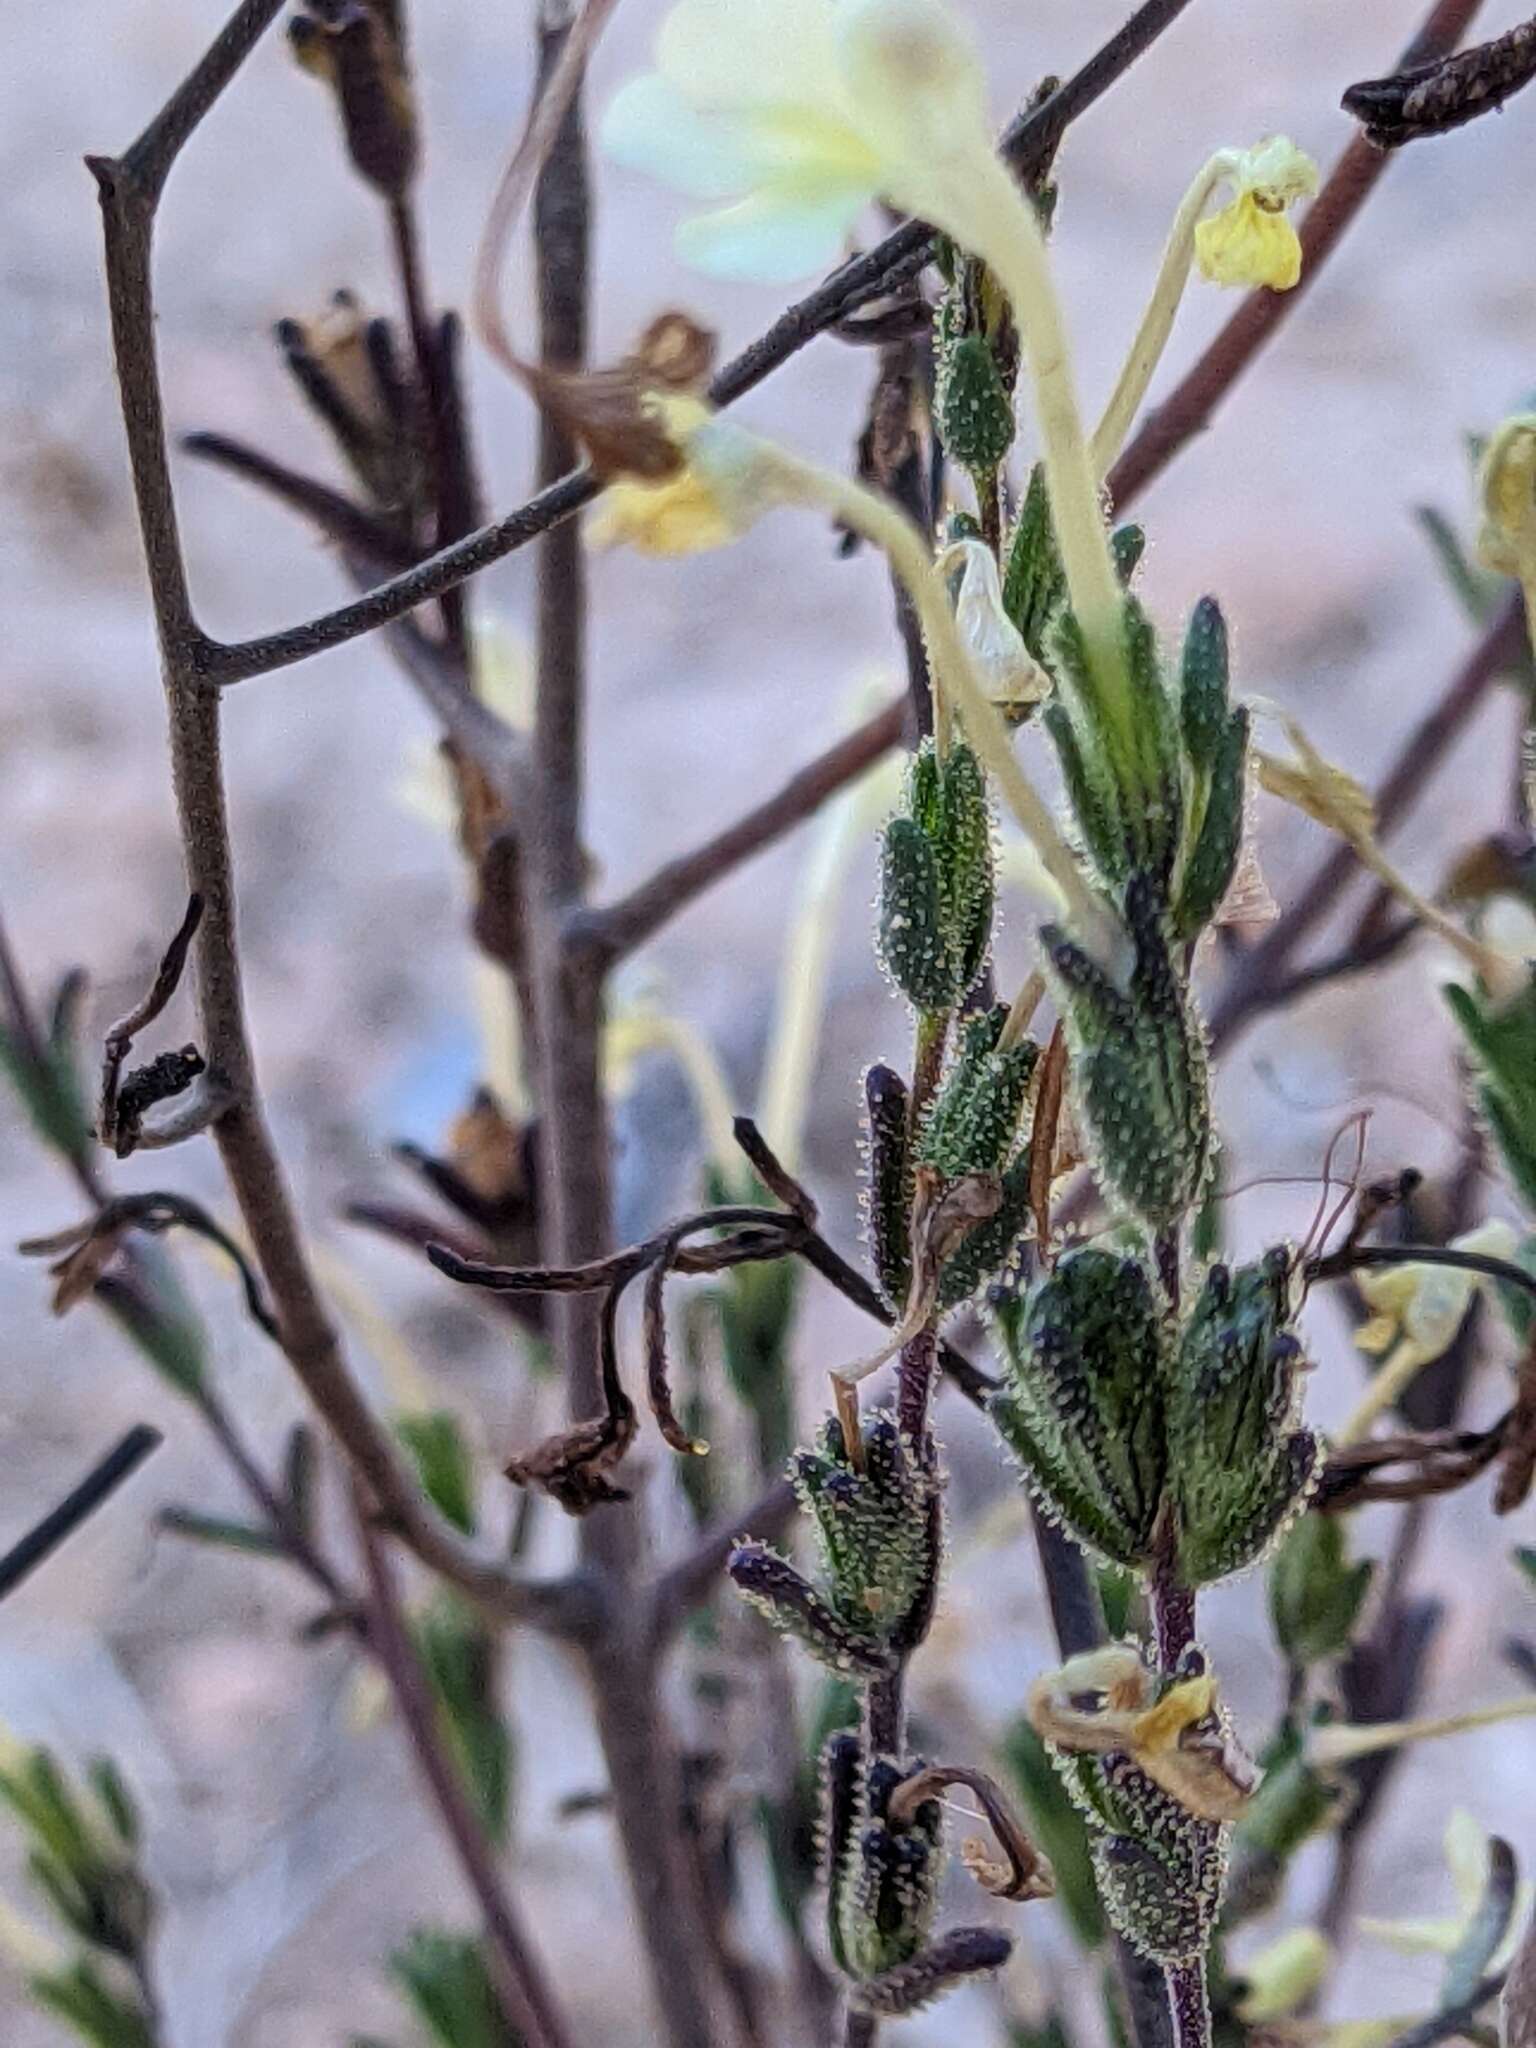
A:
(890, 1182)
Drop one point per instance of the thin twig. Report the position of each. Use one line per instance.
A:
(129, 189)
(77, 1506)
(515, 1973)
(1454, 2020)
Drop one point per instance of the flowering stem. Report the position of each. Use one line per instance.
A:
(954, 680)
(1157, 322)
(1388, 1383)
(1002, 228)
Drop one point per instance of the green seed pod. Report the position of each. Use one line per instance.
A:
(912, 941)
(1164, 1900)
(1238, 1467)
(1211, 860)
(1032, 579)
(871, 1525)
(972, 407)
(936, 883)
(1138, 1066)
(890, 1182)
(1203, 683)
(784, 1597)
(1138, 760)
(1092, 795)
(963, 845)
(887, 1884)
(974, 1124)
(1082, 1408)
(990, 1249)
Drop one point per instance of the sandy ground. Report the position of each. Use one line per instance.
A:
(286, 1832)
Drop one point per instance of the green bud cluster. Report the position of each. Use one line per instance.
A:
(1133, 1426)
(936, 885)
(974, 1122)
(1139, 1069)
(1034, 584)
(882, 1879)
(878, 1530)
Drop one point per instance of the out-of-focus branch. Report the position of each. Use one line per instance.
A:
(1029, 142)
(77, 1506)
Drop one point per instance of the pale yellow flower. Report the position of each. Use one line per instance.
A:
(788, 111)
(1507, 485)
(1011, 676)
(1427, 1305)
(681, 515)
(1467, 1856)
(1251, 240)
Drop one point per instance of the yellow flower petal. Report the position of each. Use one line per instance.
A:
(1248, 244)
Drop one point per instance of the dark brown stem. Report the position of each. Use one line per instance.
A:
(643, 1770)
(1187, 410)
(516, 1975)
(129, 189)
(77, 1506)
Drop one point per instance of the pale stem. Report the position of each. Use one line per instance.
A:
(801, 998)
(881, 522)
(1157, 322)
(1021, 1011)
(1388, 1383)
(993, 220)
(1342, 1745)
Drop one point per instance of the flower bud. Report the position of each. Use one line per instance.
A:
(936, 885)
(889, 1196)
(885, 1883)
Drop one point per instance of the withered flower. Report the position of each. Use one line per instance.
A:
(357, 47)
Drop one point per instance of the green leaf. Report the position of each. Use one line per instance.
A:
(81, 1997)
(445, 1978)
(1315, 1593)
(459, 1654)
(441, 1457)
(1060, 1830)
(1502, 1040)
(1474, 589)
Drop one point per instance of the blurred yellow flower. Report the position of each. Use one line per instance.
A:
(1283, 1975)
(1427, 1305)
(681, 515)
(1251, 240)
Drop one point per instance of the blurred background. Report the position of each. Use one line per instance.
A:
(286, 1831)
